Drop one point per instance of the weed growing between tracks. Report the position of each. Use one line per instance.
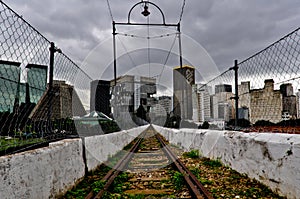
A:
(92, 181)
(221, 181)
(178, 180)
(224, 182)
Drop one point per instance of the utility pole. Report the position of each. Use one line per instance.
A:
(183, 75)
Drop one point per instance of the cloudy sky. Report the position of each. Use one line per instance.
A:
(226, 29)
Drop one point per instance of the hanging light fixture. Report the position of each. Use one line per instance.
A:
(145, 12)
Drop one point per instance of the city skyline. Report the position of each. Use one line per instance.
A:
(213, 24)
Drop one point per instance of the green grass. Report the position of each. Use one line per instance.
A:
(119, 182)
(196, 172)
(178, 180)
(16, 142)
(91, 182)
(212, 163)
(98, 185)
(192, 154)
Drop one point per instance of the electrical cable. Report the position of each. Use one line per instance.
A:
(148, 43)
(182, 10)
(142, 37)
(110, 12)
(167, 58)
(128, 54)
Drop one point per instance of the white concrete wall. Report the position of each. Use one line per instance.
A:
(99, 148)
(273, 159)
(50, 171)
(41, 173)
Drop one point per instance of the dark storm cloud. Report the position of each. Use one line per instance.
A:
(227, 29)
(232, 29)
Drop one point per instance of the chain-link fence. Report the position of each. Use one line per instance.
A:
(36, 101)
(268, 88)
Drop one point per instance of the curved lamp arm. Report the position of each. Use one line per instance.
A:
(148, 2)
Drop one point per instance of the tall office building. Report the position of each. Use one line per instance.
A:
(289, 101)
(37, 81)
(127, 95)
(223, 88)
(165, 103)
(203, 98)
(9, 86)
(62, 102)
(222, 105)
(100, 96)
(266, 103)
(183, 80)
(244, 100)
(298, 103)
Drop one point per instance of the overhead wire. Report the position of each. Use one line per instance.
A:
(128, 54)
(149, 37)
(214, 78)
(167, 58)
(182, 10)
(148, 43)
(110, 11)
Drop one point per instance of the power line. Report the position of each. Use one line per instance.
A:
(182, 10)
(148, 43)
(215, 78)
(168, 55)
(110, 12)
(128, 54)
(143, 37)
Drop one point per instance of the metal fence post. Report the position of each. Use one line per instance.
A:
(236, 68)
(51, 69)
(52, 50)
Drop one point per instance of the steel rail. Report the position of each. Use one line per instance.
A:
(196, 188)
(114, 172)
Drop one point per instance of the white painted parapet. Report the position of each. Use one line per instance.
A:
(41, 173)
(100, 148)
(50, 171)
(273, 159)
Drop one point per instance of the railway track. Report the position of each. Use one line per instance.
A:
(152, 165)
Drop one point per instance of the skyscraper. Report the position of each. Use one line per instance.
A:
(9, 86)
(127, 96)
(100, 96)
(203, 97)
(37, 81)
(222, 103)
(183, 79)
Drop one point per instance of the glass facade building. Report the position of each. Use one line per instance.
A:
(37, 81)
(9, 85)
(13, 92)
